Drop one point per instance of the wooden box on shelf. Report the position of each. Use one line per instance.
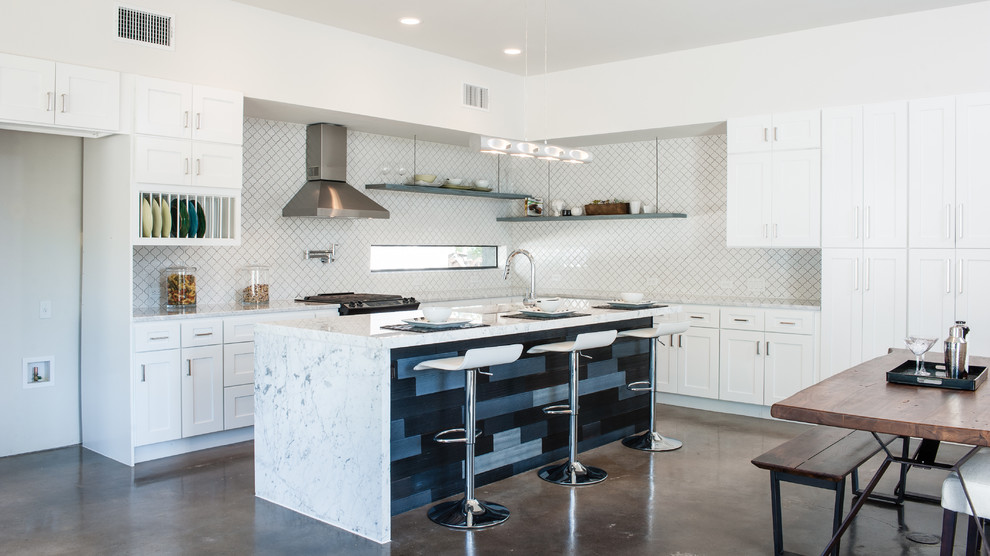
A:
(606, 208)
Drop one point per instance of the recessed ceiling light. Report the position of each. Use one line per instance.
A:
(409, 21)
(512, 51)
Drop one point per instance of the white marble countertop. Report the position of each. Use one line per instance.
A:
(226, 310)
(366, 330)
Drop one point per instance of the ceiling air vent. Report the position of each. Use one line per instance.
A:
(475, 96)
(144, 27)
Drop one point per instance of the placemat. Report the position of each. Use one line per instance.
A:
(522, 316)
(626, 308)
(413, 328)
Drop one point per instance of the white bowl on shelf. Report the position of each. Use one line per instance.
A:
(436, 314)
(630, 297)
(481, 183)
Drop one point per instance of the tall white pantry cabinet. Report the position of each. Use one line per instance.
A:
(901, 249)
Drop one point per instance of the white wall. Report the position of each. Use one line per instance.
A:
(40, 228)
(272, 57)
(938, 52)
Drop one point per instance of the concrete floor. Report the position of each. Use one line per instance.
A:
(705, 498)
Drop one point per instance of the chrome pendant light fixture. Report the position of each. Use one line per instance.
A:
(527, 149)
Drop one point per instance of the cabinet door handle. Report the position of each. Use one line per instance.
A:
(866, 275)
(199, 117)
(768, 348)
(680, 340)
(199, 162)
(185, 119)
(188, 367)
(765, 131)
(766, 228)
(758, 347)
(948, 223)
(959, 222)
(143, 374)
(49, 103)
(959, 277)
(776, 231)
(866, 227)
(856, 223)
(671, 340)
(774, 133)
(186, 172)
(856, 277)
(948, 276)
(63, 102)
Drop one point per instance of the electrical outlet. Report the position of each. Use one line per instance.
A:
(555, 277)
(45, 311)
(726, 284)
(756, 285)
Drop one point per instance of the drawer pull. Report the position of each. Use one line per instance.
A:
(199, 334)
(741, 320)
(156, 338)
(698, 317)
(788, 322)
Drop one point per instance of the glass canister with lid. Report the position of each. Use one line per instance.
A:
(255, 280)
(179, 287)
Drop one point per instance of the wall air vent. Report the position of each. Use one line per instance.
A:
(475, 96)
(134, 25)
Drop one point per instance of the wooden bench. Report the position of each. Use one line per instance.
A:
(821, 457)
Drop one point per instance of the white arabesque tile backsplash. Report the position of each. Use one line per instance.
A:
(675, 259)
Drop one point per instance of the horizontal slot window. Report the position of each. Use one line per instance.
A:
(392, 258)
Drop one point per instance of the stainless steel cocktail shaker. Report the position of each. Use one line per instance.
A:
(956, 362)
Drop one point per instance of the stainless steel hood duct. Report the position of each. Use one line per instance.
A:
(326, 194)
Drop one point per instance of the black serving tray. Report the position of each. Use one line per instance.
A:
(904, 374)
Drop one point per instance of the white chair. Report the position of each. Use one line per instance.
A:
(651, 440)
(976, 472)
(571, 472)
(469, 512)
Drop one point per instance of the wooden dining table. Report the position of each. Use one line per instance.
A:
(861, 398)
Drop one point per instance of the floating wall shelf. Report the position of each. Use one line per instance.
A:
(444, 191)
(593, 217)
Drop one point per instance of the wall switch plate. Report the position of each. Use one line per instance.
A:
(45, 311)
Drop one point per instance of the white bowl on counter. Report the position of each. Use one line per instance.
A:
(436, 314)
(548, 304)
(630, 297)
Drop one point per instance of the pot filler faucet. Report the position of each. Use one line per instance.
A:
(531, 297)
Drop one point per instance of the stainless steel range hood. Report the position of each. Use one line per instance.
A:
(326, 194)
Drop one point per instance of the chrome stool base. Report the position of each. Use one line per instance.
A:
(455, 514)
(575, 474)
(651, 442)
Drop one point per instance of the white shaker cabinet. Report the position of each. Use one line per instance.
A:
(864, 305)
(932, 172)
(183, 111)
(741, 366)
(687, 363)
(156, 397)
(748, 200)
(864, 176)
(789, 365)
(973, 297)
(159, 160)
(202, 390)
(931, 291)
(972, 170)
(35, 91)
(782, 131)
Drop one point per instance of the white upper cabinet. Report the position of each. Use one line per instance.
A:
(932, 172)
(972, 170)
(784, 131)
(34, 91)
(774, 181)
(171, 109)
(864, 176)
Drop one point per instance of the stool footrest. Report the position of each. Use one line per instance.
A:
(557, 410)
(438, 437)
(641, 386)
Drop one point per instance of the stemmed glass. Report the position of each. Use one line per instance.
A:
(919, 346)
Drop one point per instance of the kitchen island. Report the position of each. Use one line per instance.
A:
(343, 426)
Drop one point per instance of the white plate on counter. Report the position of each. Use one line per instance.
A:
(627, 305)
(545, 314)
(421, 321)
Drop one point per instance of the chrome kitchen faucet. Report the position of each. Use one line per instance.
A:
(531, 297)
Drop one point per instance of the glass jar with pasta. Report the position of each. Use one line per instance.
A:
(179, 285)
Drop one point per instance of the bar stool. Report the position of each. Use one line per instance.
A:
(651, 440)
(571, 472)
(976, 470)
(469, 512)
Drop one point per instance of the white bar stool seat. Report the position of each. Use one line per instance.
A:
(572, 472)
(651, 440)
(469, 512)
(976, 471)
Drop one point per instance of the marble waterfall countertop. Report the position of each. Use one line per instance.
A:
(366, 330)
(323, 419)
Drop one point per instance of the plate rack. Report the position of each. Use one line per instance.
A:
(220, 212)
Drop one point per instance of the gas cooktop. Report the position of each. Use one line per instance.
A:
(362, 303)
